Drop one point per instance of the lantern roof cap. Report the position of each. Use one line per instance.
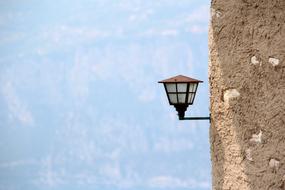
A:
(179, 78)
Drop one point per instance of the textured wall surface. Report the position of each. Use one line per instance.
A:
(247, 81)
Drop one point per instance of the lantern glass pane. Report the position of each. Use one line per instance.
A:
(171, 87)
(182, 98)
(192, 87)
(182, 87)
(173, 98)
(190, 98)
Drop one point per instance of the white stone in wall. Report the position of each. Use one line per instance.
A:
(274, 164)
(273, 61)
(256, 138)
(230, 94)
(248, 154)
(212, 12)
(254, 60)
(216, 13)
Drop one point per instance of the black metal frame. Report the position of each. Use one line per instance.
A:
(187, 92)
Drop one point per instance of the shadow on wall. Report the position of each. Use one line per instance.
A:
(247, 83)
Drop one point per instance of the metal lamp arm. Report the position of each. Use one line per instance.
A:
(197, 118)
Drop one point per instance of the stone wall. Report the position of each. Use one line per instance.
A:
(247, 84)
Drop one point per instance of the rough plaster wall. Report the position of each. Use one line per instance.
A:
(247, 83)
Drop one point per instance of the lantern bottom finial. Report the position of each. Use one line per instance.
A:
(181, 108)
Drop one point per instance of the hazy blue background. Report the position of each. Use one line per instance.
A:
(80, 106)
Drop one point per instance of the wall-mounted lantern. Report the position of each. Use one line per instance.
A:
(181, 92)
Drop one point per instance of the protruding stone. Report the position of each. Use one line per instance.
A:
(216, 13)
(230, 94)
(248, 154)
(274, 164)
(254, 60)
(274, 61)
(256, 138)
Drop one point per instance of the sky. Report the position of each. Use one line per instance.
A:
(80, 106)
